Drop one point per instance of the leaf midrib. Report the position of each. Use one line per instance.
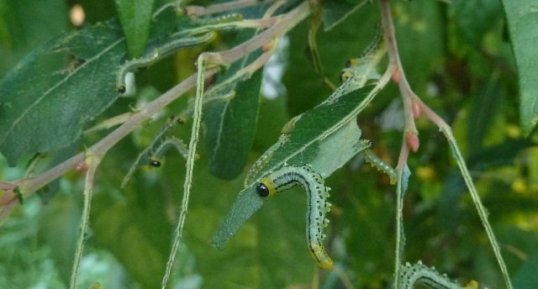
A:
(32, 106)
(380, 84)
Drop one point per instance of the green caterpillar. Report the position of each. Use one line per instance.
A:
(317, 204)
(410, 275)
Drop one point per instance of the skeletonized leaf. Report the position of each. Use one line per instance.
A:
(303, 139)
(325, 137)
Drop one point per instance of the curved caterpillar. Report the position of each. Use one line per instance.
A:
(426, 276)
(160, 145)
(317, 205)
(125, 81)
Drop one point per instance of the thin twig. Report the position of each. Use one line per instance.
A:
(219, 8)
(30, 185)
(92, 162)
(394, 62)
(482, 213)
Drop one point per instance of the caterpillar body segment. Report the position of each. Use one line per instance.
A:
(317, 204)
(410, 275)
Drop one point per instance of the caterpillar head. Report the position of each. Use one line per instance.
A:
(265, 188)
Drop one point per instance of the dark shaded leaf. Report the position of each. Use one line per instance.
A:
(483, 111)
(56, 89)
(135, 17)
(475, 18)
(18, 36)
(522, 22)
(231, 127)
(335, 12)
(488, 158)
(59, 229)
(335, 48)
(526, 277)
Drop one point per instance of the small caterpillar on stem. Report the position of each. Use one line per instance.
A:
(160, 144)
(171, 142)
(379, 164)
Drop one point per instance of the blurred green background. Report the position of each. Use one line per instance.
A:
(458, 58)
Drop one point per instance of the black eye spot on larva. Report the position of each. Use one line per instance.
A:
(155, 163)
(262, 190)
(121, 89)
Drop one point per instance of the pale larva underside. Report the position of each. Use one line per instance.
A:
(410, 275)
(380, 165)
(317, 204)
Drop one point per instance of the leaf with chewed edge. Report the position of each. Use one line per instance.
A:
(325, 137)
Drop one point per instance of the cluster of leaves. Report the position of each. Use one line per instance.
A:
(458, 56)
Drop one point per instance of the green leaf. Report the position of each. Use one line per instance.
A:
(246, 204)
(353, 35)
(325, 137)
(135, 18)
(131, 235)
(18, 35)
(46, 99)
(420, 29)
(132, 224)
(58, 228)
(522, 19)
(483, 111)
(335, 12)
(525, 277)
(56, 89)
(49, 97)
(475, 18)
(231, 127)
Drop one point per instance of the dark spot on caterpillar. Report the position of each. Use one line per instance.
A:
(155, 163)
(121, 89)
(262, 190)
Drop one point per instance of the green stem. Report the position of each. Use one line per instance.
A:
(197, 120)
(481, 210)
(93, 162)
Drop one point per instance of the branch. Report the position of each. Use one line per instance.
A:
(414, 108)
(28, 186)
(194, 10)
(92, 162)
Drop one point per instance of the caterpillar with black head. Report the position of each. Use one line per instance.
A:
(317, 204)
